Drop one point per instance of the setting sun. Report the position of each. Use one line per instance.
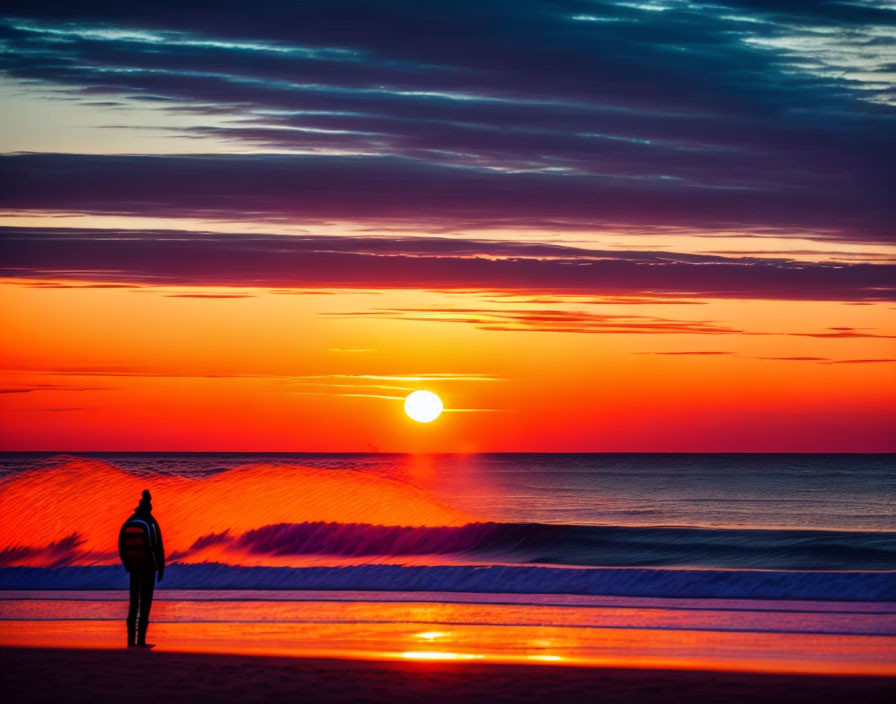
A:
(423, 406)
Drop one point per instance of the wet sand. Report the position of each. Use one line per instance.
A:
(56, 675)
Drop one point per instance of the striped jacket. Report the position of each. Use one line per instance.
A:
(140, 544)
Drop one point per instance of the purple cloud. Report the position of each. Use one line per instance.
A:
(387, 190)
(284, 262)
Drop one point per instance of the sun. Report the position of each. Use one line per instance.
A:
(423, 406)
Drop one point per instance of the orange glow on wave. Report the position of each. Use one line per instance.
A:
(92, 499)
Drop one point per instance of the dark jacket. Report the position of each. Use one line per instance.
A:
(140, 543)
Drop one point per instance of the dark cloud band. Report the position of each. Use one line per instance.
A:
(283, 262)
(393, 190)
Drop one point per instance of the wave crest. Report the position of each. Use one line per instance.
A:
(91, 499)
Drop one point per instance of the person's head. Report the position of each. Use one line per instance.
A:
(145, 505)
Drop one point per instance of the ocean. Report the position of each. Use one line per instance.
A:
(790, 549)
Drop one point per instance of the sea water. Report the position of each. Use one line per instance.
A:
(564, 551)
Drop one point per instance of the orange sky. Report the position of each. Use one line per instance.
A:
(145, 368)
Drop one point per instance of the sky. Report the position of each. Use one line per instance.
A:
(586, 225)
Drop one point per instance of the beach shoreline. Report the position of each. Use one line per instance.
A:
(73, 675)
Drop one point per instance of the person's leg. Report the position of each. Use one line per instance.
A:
(147, 586)
(132, 609)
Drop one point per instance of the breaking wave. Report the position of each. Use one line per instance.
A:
(68, 514)
(292, 544)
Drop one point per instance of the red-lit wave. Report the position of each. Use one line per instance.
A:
(71, 514)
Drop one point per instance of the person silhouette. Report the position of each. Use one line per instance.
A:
(141, 552)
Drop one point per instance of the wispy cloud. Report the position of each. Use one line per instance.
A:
(52, 388)
(863, 361)
(547, 320)
(349, 394)
(64, 409)
(314, 379)
(697, 353)
(435, 376)
(846, 333)
(312, 189)
(190, 259)
(824, 360)
(210, 295)
(793, 359)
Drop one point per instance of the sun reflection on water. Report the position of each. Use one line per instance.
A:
(432, 635)
(436, 655)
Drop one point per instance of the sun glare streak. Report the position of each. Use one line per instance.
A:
(436, 655)
(432, 635)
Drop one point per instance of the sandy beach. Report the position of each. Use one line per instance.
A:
(44, 675)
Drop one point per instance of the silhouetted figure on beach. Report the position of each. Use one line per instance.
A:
(140, 547)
